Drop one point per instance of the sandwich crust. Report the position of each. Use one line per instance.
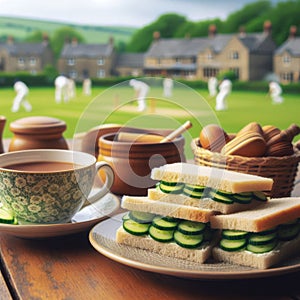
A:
(219, 179)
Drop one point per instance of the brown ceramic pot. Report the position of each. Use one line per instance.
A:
(132, 162)
(37, 132)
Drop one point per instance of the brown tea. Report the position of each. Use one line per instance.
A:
(42, 166)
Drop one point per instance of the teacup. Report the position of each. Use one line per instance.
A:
(49, 185)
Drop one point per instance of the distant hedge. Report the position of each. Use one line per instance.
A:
(39, 80)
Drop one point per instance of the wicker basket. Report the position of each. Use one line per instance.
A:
(282, 170)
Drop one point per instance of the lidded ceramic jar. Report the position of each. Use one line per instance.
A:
(132, 162)
(37, 132)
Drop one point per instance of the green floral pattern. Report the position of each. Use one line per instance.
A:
(46, 198)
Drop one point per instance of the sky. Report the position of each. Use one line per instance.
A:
(136, 13)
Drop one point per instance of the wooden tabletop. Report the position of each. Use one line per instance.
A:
(70, 268)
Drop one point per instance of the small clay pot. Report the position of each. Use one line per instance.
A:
(37, 132)
(132, 162)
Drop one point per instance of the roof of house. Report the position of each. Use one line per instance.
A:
(86, 50)
(188, 47)
(291, 45)
(132, 60)
(26, 49)
(185, 47)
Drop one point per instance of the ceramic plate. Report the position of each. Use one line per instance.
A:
(102, 238)
(83, 220)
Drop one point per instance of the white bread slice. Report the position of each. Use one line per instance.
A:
(204, 203)
(219, 179)
(282, 252)
(199, 255)
(166, 209)
(266, 216)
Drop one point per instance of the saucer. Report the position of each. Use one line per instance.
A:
(85, 219)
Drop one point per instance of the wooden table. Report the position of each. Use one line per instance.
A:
(69, 268)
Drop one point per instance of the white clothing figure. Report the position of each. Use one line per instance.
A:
(21, 97)
(71, 88)
(275, 92)
(87, 86)
(61, 89)
(168, 87)
(141, 89)
(224, 91)
(212, 86)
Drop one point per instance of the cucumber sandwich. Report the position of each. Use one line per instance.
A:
(209, 188)
(172, 227)
(261, 237)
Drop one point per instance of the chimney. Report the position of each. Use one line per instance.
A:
(242, 31)
(111, 40)
(212, 30)
(45, 39)
(10, 40)
(267, 27)
(156, 35)
(74, 42)
(293, 31)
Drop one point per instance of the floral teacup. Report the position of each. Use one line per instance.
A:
(49, 185)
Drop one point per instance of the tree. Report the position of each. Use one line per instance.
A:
(166, 24)
(63, 35)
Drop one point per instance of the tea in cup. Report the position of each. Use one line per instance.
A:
(44, 186)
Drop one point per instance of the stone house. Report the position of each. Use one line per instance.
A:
(250, 56)
(29, 57)
(287, 59)
(129, 64)
(87, 60)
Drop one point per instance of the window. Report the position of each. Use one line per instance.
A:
(287, 76)
(209, 56)
(210, 72)
(73, 74)
(286, 59)
(21, 61)
(100, 61)
(234, 55)
(71, 61)
(101, 73)
(32, 61)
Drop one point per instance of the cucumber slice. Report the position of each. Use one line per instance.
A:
(188, 241)
(170, 219)
(268, 231)
(135, 228)
(174, 189)
(221, 198)
(141, 217)
(159, 235)
(233, 245)
(126, 216)
(192, 193)
(258, 239)
(260, 196)
(234, 234)
(262, 248)
(169, 183)
(195, 188)
(191, 228)
(164, 224)
(243, 198)
(6, 216)
(288, 232)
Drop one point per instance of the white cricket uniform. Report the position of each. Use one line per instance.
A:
(225, 89)
(61, 89)
(20, 99)
(275, 92)
(142, 90)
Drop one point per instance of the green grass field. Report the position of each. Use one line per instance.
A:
(116, 105)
